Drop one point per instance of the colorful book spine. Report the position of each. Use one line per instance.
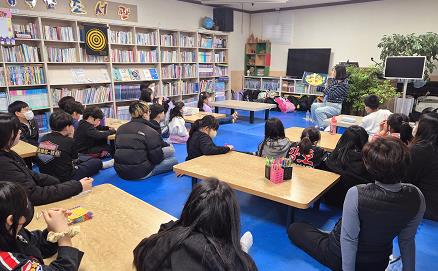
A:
(87, 96)
(147, 56)
(189, 71)
(147, 38)
(108, 112)
(220, 42)
(187, 41)
(58, 33)
(127, 92)
(36, 98)
(21, 53)
(191, 102)
(252, 83)
(205, 42)
(187, 56)
(120, 37)
(168, 39)
(84, 57)
(188, 87)
(25, 31)
(220, 57)
(271, 85)
(170, 89)
(3, 102)
(123, 113)
(221, 71)
(126, 56)
(205, 57)
(206, 86)
(169, 56)
(171, 72)
(63, 55)
(25, 75)
(206, 70)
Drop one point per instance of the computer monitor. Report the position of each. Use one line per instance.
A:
(405, 67)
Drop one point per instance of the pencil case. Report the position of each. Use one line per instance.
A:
(287, 173)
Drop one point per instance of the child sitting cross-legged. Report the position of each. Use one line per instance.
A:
(306, 152)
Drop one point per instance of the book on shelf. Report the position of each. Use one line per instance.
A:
(188, 87)
(206, 42)
(220, 57)
(206, 85)
(21, 53)
(25, 31)
(150, 74)
(58, 33)
(168, 39)
(42, 121)
(123, 113)
(189, 70)
(84, 57)
(206, 70)
(125, 56)
(127, 92)
(252, 83)
(171, 71)
(62, 55)
(169, 56)
(150, 56)
(108, 112)
(187, 41)
(221, 70)
(87, 95)
(120, 37)
(25, 75)
(3, 102)
(187, 56)
(220, 42)
(149, 38)
(170, 89)
(124, 73)
(191, 102)
(271, 84)
(131, 74)
(36, 98)
(2, 77)
(205, 57)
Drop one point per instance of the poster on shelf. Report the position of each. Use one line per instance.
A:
(96, 39)
(6, 32)
(315, 79)
(78, 76)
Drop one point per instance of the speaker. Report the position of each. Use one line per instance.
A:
(224, 18)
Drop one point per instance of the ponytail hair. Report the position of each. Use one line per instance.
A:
(309, 135)
(399, 123)
(176, 111)
(206, 122)
(202, 97)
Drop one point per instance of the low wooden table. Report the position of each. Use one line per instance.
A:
(114, 123)
(328, 141)
(120, 222)
(345, 124)
(200, 115)
(244, 105)
(25, 149)
(246, 173)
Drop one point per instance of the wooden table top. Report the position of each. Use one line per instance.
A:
(120, 222)
(342, 123)
(246, 173)
(200, 115)
(25, 149)
(244, 105)
(114, 123)
(328, 141)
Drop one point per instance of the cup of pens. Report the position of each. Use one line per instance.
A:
(278, 170)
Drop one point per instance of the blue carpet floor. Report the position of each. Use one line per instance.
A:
(272, 249)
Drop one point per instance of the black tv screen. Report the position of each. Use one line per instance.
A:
(405, 67)
(308, 60)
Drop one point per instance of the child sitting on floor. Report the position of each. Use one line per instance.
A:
(178, 133)
(204, 106)
(275, 144)
(397, 126)
(75, 109)
(306, 152)
(57, 155)
(65, 100)
(371, 122)
(28, 125)
(21, 249)
(90, 137)
(201, 139)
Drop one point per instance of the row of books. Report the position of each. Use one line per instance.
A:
(25, 75)
(3, 102)
(253, 83)
(206, 85)
(220, 84)
(168, 39)
(124, 74)
(123, 113)
(127, 92)
(84, 57)
(188, 87)
(42, 121)
(36, 98)
(206, 70)
(120, 37)
(88, 95)
(108, 112)
(55, 54)
(147, 56)
(147, 38)
(205, 57)
(25, 31)
(221, 71)
(220, 42)
(2, 77)
(206, 42)
(187, 56)
(187, 41)
(60, 33)
(21, 53)
(271, 85)
(191, 102)
(220, 57)
(169, 56)
(122, 56)
(171, 72)
(189, 71)
(170, 89)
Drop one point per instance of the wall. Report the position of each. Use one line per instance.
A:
(352, 31)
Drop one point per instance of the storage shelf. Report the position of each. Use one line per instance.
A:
(144, 45)
(134, 81)
(122, 44)
(107, 102)
(26, 86)
(21, 39)
(79, 84)
(61, 41)
(23, 63)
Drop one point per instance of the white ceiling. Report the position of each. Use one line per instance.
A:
(290, 3)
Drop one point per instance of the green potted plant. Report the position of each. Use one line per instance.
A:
(363, 82)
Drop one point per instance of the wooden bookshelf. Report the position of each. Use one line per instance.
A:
(258, 58)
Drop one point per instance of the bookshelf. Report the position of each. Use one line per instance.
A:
(284, 86)
(50, 56)
(258, 58)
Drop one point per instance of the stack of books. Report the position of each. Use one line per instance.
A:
(220, 57)
(147, 56)
(168, 39)
(221, 71)
(61, 54)
(188, 87)
(36, 98)
(206, 70)
(59, 33)
(120, 37)
(123, 113)
(25, 31)
(205, 57)
(170, 89)
(187, 56)
(171, 72)
(206, 42)
(25, 75)
(89, 95)
(42, 122)
(187, 41)
(126, 56)
(189, 71)
(169, 56)
(147, 38)
(21, 53)
(127, 92)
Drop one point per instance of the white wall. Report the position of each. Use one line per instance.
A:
(352, 31)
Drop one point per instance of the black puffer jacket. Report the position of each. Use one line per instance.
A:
(41, 188)
(138, 150)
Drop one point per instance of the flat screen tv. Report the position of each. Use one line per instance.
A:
(405, 67)
(307, 60)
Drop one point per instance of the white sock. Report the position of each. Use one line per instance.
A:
(107, 164)
(246, 241)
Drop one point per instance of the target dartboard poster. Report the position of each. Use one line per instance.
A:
(96, 40)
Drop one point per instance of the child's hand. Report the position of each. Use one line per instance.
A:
(56, 220)
(383, 127)
(231, 147)
(87, 183)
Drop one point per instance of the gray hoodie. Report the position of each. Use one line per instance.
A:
(274, 148)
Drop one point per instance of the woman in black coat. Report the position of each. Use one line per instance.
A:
(346, 160)
(40, 188)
